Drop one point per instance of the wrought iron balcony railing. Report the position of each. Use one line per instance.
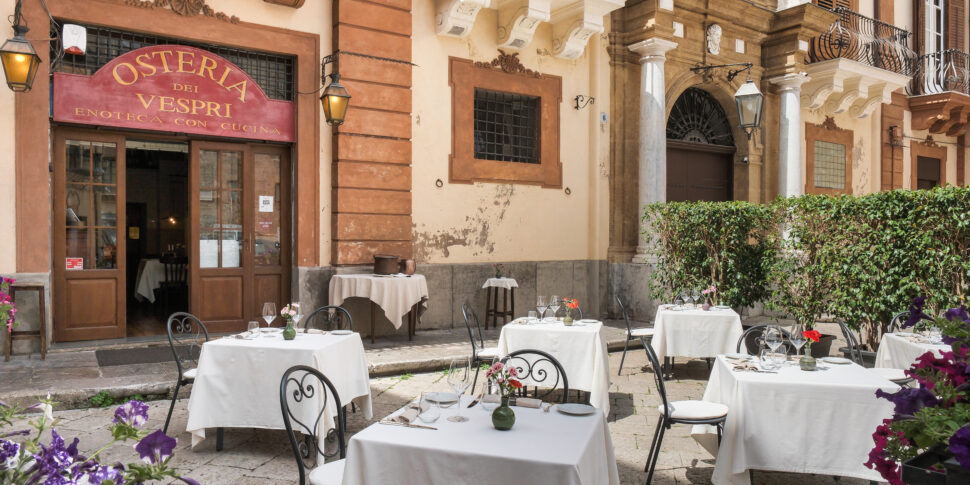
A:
(866, 40)
(940, 72)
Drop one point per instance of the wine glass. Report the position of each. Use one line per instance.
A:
(296, 319)
(796, 337)
(773, 337)
(554, 303)
(541, 306)
(684, 297)
(428, 407)
(696, 295)
(269, 312)
(459, 378)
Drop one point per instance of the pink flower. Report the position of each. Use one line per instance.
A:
(513, 372)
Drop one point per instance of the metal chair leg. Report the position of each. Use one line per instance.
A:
(219, 436)
(656, 454)
(171, 407)
(626, 345)
(653, 444)
(751, 476)
(478, 367)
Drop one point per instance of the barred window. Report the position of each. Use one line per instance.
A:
(506, 126)
(829, 165)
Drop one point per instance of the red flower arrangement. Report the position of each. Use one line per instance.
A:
(505, 377)
(813, 335)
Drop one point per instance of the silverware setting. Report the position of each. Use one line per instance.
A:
(407, 425)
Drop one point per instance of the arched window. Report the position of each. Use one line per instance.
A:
(697, 117)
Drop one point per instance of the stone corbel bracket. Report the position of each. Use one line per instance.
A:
(941, 113)
(455, 18)
(844, 85)
(518, 20)
(574, 24)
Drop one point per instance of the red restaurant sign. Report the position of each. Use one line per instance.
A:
(173, 88)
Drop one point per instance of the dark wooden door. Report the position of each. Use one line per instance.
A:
(928, 172)
(271, 229)
(697, 171)
(89, 240)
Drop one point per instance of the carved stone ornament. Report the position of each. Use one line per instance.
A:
(714, 39)
(187, 8)
(509, 64)
(829, 124)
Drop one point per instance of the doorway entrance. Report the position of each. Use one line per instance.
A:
(204, 227)
(700, 149)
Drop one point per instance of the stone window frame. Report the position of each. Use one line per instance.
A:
(504, 74)
(927, 149)
(827, 131)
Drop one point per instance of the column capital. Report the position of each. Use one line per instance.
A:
(790, 82)
(652, 48)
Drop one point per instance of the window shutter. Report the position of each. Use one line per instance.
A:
(833, 4)
(955, 27)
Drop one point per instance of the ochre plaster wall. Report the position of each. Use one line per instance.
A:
(461, 223)
(8, 215)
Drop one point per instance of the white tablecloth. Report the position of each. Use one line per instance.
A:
(507, 283)
(794, 421)
(899, 352)
(540, 448)
(695, 333)
(580, 348)
(238, 381)
(394, 294)
(151, 274)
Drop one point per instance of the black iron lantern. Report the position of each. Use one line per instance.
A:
(335, 100)
(20, 60)
(750, 102)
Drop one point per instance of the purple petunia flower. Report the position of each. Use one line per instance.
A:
(915, 312)
(98, 474)
(133, 413)
(189, 480)
(960, 446)
(9, 451)
(155, 447)
(53, 459)
(958, 314)
(909, 400)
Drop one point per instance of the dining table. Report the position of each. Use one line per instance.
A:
(900, 350)
(395, 294)
(151, 274)
(542, 447)
(237, 381)
(580, 348)
(796, 421)
(695, 332)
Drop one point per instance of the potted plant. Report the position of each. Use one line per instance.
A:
(8, 307)
(291, 315)
(927, 441)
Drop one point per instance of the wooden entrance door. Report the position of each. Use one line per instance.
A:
(89, 269)
(697, 171)
(240, 228)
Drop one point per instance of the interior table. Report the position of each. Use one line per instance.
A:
(397, 295)
(695, 333)
(541, 448)
(795, 421)
(900, 350)
(237, 383)
(580, 348)
(151, 274)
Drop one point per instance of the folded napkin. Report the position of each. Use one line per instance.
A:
(313, 331)
(408, 416)
(746, 366)
(492, 398)
(528, 402)
(245, 334)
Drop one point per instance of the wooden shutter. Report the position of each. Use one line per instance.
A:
(955, 26)
(833, 4)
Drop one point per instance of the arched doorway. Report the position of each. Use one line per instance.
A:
(700, 149)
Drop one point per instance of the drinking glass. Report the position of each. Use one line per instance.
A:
(532, 316)
(767, 360)
(773, 337)
(678, 302)
(696, 295)
(296, 319)
(492, 397)
(269, 312)
(554, 303)
(935, 335)
(253, 329)
(541, 306)
(796, 338)
(459, 378)
(430, 412)
(684, 296)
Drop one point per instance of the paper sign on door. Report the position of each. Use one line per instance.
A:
(75, 263)
(266, 203)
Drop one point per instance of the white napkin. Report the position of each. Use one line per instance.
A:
(313, 331)
(528, 402)
(408, 416)
(492, 398)
(243, 335)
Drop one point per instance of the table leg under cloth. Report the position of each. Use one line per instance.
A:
(412, 321)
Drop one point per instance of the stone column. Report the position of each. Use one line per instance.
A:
(653, 129)
(790, 183)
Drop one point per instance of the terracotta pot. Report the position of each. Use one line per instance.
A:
(406, 266)
(385, 264)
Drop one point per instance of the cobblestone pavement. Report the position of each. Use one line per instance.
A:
(263, 456)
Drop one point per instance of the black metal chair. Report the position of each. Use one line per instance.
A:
(896, 323)
(329, 317)
(897, 376)
(174, 289)
(186, 334)
(753, 339)
(303, 390)
(678, 412)
(480, 353)
(542, 369)
(631, 333)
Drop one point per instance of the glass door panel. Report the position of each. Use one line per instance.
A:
(268, 209)
(220, 209)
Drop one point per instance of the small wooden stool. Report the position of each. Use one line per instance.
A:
(23, 334)
(491, 303)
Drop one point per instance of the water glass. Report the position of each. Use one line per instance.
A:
(430, 412)
(459, 378)
(532, 317)
(253, 329)
(541, 306)
(767, 360)
(492, 398)
(935, 335)
(269, 312)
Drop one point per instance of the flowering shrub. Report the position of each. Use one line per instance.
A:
(8, 307)
(504, 376)
(58, 463)
(937, 413)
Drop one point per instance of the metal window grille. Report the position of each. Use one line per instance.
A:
(829, 165)
(506, 127)
(273, 72)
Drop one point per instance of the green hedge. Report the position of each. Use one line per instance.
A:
(861, 259)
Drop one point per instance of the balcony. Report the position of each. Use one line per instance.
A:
(856, 65)
(940, 92)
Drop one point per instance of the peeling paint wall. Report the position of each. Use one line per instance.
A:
(481, 222)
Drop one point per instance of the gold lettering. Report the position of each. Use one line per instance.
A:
(91, 112)
(208, 64)
(146, 64)
(161, 56)
(197, 104)
(78, 111)
(183, 105)
(185, 62)
(146, 104)
(117, 74)
(156, 119)
(241, 87)
(213, 106)
(225, 74)
(166, 104)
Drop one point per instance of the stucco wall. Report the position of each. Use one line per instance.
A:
(481, 222)
(8, 243)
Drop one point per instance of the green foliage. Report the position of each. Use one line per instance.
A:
(102, 399)
(698, 244)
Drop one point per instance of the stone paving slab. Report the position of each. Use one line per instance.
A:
(254, 456)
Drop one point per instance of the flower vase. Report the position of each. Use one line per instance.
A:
(503, 417)
(568, 320)
(289, 333)
(706, 306)
(807, 363)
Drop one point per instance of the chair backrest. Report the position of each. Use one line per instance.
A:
(626, 317)
(539, 369)
(329, 316)
(176, 270)
(468, 314)
(753, 339)
(658, 378)
(896, 324)
(855, 352)
(186, 334)
(305, 394)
